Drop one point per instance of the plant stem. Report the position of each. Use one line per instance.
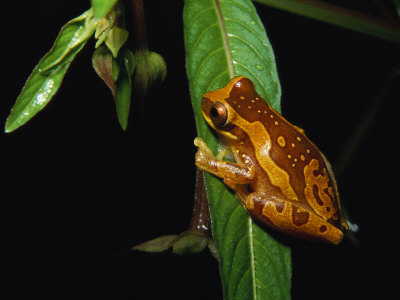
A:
(139, 27)
(200, 221)
(385, 29)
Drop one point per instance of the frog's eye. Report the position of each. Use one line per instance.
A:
(219, 114)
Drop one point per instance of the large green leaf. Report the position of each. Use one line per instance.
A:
(47, 76)
(224, 39)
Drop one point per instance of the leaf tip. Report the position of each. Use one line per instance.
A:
(124, 126)
(10, 126)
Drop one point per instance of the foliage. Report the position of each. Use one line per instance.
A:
(224, 40)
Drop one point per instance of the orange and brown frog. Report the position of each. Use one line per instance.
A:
(279, 175)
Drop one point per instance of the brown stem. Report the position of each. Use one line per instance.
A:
(139, 26)
(200, 221)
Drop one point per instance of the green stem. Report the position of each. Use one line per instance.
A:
(385, 29)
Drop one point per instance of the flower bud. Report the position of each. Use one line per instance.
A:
(150, 69)
(106, 67)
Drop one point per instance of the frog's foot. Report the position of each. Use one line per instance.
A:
(232, 173)
(204, 152)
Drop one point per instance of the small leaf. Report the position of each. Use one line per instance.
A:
(47, 76)
(105, 67)
(115, 69)
(159, 244)
(102, 25)
(190, 242)
(123, 91)
(130, 61)
(69, 39)
(102, 37)
(102, 7)
(116, 38)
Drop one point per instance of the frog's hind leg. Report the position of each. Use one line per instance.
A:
(288, 217)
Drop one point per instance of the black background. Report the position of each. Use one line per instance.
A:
(77, 191)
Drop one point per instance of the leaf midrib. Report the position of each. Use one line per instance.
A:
(232, 74)
(252, 259)
(225, 38)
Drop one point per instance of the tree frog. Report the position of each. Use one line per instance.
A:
(279, 176)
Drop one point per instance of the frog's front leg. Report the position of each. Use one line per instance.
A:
(232, 173)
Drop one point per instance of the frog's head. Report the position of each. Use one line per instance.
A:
(222, 107)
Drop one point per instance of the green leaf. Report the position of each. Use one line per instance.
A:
(106, 67)
(102, 7)
(47, 76)
(115, 39)
(224, 39)
(190, 242)
(71, 36)
(159, 244)
(124, 89)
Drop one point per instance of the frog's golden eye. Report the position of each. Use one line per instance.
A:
(219, 114)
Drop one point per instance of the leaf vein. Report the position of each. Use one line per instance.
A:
(254, 77)
(241, 280)
(198, 15)
(240, 7)
(201, 34)
(253, 49)
(256, 34)
(252, 258)
(264, 248)
(203, 61)
(216, 79)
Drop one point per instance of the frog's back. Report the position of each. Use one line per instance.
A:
(310, 175)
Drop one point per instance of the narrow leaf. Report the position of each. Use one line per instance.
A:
(115, 39)
(68, 42)
(106, 67)
(224, 39)
(47, 76)
(159, 244)
(190, 242)
(102, 7)
(124, 89)
(37, 92)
